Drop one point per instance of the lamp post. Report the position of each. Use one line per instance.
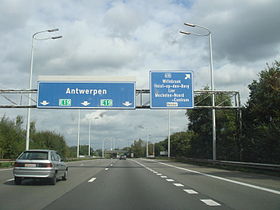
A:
(211, 76)
(30, 77)
(78, 136)
(168, 141)
(89, 134)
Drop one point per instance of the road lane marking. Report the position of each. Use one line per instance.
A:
(106, 169)
(9, 180)
(111, 165)
(163, 177)
(170, 180)
(178, 185)
(225, 179)
(210, 202)
(159, 174)
(189, 191)
(92, 179)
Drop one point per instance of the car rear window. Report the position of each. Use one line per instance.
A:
(34, 155)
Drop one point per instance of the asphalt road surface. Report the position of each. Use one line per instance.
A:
(142, 184)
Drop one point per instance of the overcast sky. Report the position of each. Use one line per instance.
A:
(130, 38)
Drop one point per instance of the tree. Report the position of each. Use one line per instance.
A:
(139, 148)
(49, 140)
(262, 117)
(180, 143)
(11, 138)
(200, 123)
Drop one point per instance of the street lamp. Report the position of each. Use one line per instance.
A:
(30, 76)
(211, 76)
(89, 137)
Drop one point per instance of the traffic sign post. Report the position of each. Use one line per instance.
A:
(171, 89)
(99, 95)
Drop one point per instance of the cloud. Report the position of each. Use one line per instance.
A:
(130, 38)
(242, 30)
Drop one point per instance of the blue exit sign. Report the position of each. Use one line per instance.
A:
(171, 89)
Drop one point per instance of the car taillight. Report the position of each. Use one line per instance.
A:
(45, 165)
(18, 164)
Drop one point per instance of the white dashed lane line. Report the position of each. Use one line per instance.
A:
(92, 179)
(106, 169)
(178, 185)
(190, 191)
(210, 202)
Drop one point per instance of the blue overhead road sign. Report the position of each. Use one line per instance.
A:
(99, 95)
(171, 89)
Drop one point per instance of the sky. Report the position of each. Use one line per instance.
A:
(119, 38)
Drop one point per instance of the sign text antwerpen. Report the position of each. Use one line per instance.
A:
(171, 89)
(103, 95)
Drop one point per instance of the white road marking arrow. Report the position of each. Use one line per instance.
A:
(188, 76)
(85, 103)
(127, 103)
(44, 103)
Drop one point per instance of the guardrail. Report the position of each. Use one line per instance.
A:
(275, 168)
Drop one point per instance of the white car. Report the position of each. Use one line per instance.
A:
(39, 164)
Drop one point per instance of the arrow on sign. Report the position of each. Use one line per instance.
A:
(85, 103)
(188, 76)
(44, 103)
(127, 103)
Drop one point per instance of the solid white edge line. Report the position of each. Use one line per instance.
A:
(210, 202)
(9, 180)
(92, 179)
(225, 179)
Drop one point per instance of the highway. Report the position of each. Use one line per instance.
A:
(143, 184)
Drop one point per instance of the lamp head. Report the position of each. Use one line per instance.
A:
(53, 30)
(190, 24)
(185, 32)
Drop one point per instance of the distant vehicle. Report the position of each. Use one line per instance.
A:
(39, 164)
(123, 157)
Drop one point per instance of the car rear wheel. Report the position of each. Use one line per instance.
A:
(18, 180)
(64, 178)
(53, 180)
